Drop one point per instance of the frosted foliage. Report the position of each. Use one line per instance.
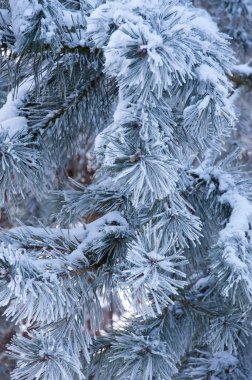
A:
(234, 18)
(135, 356)
(160, 277)
(138, 267)
(144, 172)
(231, 255)
(43, 358)
(172, 42)
(30, 14)
(203, 365)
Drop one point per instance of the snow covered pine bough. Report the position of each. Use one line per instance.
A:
(146, 82)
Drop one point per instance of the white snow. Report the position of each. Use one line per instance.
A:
(83, 235)
(205, 24)
(232, 238)
(21, 11)
(245, 69)
(241, 214)
(207, 73)
(10, 120)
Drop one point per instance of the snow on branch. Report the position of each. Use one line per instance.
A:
(242, 75)
(231, 256)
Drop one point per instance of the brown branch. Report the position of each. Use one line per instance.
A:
(241, 79)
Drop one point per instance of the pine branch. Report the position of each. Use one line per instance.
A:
(242, 77)
(167, 233)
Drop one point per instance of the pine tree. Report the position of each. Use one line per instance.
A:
(165, 224)
(234, 18)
